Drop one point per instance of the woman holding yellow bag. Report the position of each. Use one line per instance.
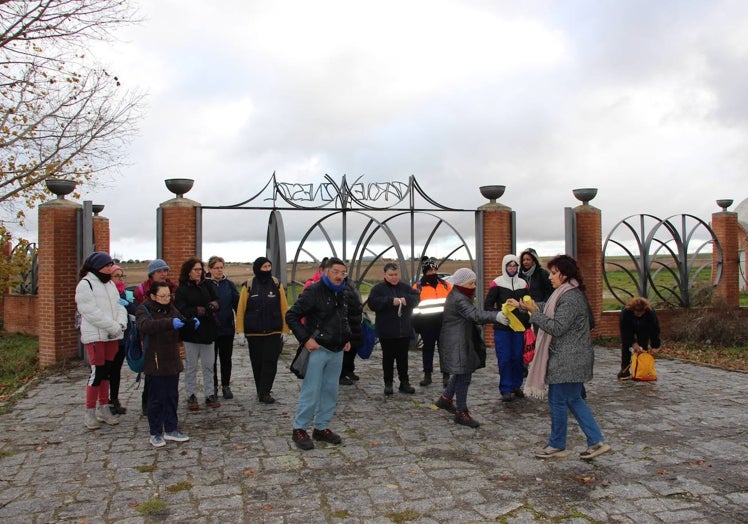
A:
(509, 334)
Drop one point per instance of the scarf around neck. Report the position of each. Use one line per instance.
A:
(535, 386)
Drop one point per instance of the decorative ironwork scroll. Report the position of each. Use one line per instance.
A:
(665, 260)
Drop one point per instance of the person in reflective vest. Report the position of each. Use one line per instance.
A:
(427, 317)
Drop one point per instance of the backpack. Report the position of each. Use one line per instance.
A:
(643, 367)
(368, 336)
(135, 345)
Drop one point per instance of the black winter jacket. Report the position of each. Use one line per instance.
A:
(192, 301)
(644, 330)
(355, 313)
(326, 317)
(388, 324)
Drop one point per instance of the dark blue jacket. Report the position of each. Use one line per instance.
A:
(228, 298)
(387, 322)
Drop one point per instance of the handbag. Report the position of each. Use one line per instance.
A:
(300, 362)
(528, 350)
(643, 367)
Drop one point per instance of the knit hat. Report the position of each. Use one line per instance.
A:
(462, 276)
(157, 265)
(115, 267)
(98, 260)
(428, 265)
(258, 263)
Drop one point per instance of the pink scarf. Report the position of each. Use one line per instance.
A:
(535, 386)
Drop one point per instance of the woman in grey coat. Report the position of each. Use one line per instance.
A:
(564, 358)
(458, 339)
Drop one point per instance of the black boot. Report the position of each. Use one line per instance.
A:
(426, 379)
(388, 388)
(405, 387)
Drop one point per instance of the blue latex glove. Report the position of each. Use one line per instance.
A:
(197, 322)
(177, 323)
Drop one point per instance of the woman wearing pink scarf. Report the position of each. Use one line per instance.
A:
(564, 358)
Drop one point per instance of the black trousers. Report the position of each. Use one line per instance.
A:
(264, 352)
(224, 350)
(349, 365)
(116, 371)
(395, 350)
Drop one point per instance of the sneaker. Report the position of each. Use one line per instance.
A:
(388, 388)
(104, 414)
(157, 441)
(447, 404)
(593, 451)
(302, 440)
(90, 420)
(351, 375)
(519, 393)
(176, 436)
(192, 403)
(551, 452)
(266, 398)
(227, 394)
(506, 397)
(345, 381)
(464, 419)
(212, 402)
(624, 375)
(406, 388)
(325, 435)
(426, 380)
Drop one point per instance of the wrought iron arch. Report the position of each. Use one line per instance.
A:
(664, 259)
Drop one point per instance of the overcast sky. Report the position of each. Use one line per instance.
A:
(645, 100)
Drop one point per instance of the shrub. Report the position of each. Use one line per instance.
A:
(719, 325)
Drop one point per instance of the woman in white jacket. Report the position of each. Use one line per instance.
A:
(102, 325)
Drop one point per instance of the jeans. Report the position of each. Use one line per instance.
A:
(509, 346)
(206, 354)
(458, 387)
(563, 398)
(319, 391)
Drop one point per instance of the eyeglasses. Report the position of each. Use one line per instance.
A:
(119, 276)
(163, 296)
(338, 272)
(196, 269)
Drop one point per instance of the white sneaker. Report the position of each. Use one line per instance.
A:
(104, 414)
(90, 420)
(157, 441)
(176, 436)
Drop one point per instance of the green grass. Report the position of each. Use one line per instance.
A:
(19, 362)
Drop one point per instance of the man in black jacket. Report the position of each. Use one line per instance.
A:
(326, 334)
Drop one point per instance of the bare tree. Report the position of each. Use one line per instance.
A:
(61, 114)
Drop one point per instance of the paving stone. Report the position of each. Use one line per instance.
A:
(675, 454)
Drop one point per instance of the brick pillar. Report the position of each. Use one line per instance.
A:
(179, 231)
(497, 243)
(101, 234)
(58, 276)
(725, 227)
(590, 255)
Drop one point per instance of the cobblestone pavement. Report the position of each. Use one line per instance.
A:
(679, 455)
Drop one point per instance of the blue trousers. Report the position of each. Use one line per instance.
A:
(508, 346)
(319, 391)
(563, 398)
(458, 387)
(163, 398)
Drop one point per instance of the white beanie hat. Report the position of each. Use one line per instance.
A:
(462, 275)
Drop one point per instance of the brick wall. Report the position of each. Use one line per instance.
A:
(725, 227)
(497, 243)
(590, 254)
(179, 233)
(20, 314)
(101, 234)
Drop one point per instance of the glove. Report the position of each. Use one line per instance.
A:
(177, 323)
(213, 305)
(197, 322)
(502, 319)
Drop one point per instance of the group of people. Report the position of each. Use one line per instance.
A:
(198, 312)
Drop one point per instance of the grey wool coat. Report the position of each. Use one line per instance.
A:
(571, 356)
(456, 343)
